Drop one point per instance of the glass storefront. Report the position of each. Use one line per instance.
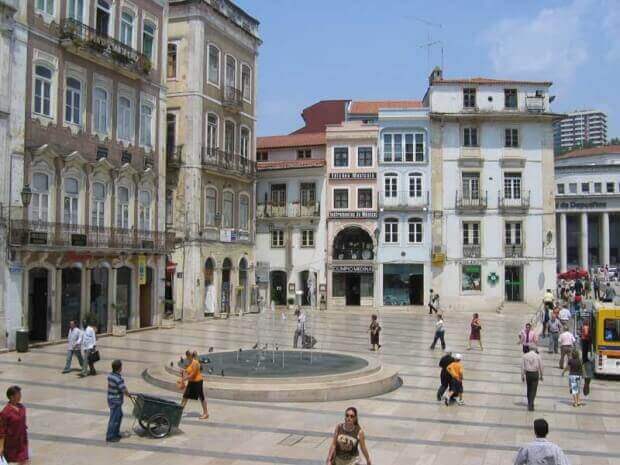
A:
(353, 286)
(471, 278)
(403, 284)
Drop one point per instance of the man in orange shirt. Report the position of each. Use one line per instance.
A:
(455, 369)
(194, 389)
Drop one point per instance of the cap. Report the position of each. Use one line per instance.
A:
(458, 356)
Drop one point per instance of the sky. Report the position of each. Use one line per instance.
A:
(375, 49)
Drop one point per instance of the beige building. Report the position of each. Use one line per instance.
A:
(212, 56)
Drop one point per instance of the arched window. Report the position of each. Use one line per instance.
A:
(70, 201)
(244, 212)
(210, 206)
(43, 90)
(100, 112)
(212, 125)
(415, 230)
(391, 230)
(102, 18)
(214, 65)
(391, 185)
(144, 210)
(146, 125)
(73, 99)
(122, 211)
(246, 82)
(229, 137)
(227, 210)
(231, 71)
(40, 197)
(98, 207)
(244, 143)
(126, 36)
(148, 39)
(415, 185)
(125, 119)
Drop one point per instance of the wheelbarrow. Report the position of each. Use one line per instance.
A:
(155, 415)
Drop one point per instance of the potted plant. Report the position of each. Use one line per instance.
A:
(119, 329)
(291, 303)
(146, 66)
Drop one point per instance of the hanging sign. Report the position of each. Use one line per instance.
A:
(142, 269)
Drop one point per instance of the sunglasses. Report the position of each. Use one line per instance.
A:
(349, 416)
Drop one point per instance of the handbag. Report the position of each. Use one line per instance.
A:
(94, 356)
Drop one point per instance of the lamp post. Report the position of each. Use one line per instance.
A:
(26, 195)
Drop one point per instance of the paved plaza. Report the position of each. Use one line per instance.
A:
(67, 415)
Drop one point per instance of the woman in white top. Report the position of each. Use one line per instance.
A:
(89, 346)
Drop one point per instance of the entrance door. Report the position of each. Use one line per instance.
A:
(225, 296)
(99, 297)
(37, 306)
(513, 281)
(305, 298)
(353, 295)
(71, 298)
(123, 296)
(278, 287)
(146, 291)
(416, 289)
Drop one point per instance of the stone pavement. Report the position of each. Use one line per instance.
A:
(67, 416)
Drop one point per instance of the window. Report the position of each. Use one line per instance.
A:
(511, 137)
(169, 207)
(244, 143)
(512, 185)
(211, 207)
(73, 98)
(390, 182)
(98, 207)
(246, 82)
(469, 98)
(471, 278)
(598, 188)
(70, 201)
(277, 238)
(414, 147)
(305, 153)
(510, 98)
(419, 147)
(341, 157)
(262, 155)
(415, 230)
(470, 137)
(40, 197)
(398, 147)
(227, 210)
(214, 65)
(75, 9)
(172, 61)
(122, 213)
(512, 233)
(171, 133)
(45, 6)
(148, 39)
(244, 215)
(126, 36)
(612, 330)
(364, 156)
(572, 187)
(100, 111)
(341, 198)
(610, 187)
(560, 188)
(231, 72)
(585, 187)
(391, 231)
(471, 233)
(471, 186)
(102, 19)
(415, 185)
(307, 193)
(212, 122)
(146, 125)
(364, 198)
(387, 147)
(229, 136)
(278, 195)
(307, 238)
(125, 119)
(43, 90)
(144, 210)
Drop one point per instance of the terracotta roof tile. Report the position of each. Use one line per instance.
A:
(292, 140)
(372, 107)
(483, 80)
(602, 150)
(290, 164)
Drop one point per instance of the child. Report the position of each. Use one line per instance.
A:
(374, 329)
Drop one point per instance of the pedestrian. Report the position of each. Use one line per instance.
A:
(606, 273)
(374, 329)
(13, 429)
(455, 369)
(300, 330)
(586, 340)
(116, 394)
(527, 337)
(588, 373)
(433, 302)
(439, 332)
(531, 373)
(347, 440)
(74, 347)
(444, 376)
(554, 333)
(565, 316)
(567, 341)
(609, 294)
(578, 287)
(587, 288)
(89, 349)
(474, 333)
(575, 373)
(195, 388)
(540, 451)
(596, 285)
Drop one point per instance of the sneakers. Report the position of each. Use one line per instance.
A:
(446, 400)
(460, 402)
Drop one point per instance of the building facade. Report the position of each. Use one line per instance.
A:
(587, 202)
(580, 128)
(211, 77)
(493, 220)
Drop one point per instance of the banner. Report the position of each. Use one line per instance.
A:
(142, 269)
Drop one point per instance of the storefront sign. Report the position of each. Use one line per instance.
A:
(142, 269)
(352, 175)
(353, 214)
(38, 238)
(352, 269)
(228, 235)
(262, 272)
(581, 205)
(78, 240)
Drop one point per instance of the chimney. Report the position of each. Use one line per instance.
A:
(436, 75)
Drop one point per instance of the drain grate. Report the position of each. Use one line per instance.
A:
(291, 440)
(303, 441)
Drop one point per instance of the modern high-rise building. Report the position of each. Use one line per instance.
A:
(579, 128)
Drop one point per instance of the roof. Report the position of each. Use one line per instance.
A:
(372, 107)
(589, 152)
(290, 164)
(322, 113)
(483, 80)
(292, 140)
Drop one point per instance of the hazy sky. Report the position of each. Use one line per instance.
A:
(373, 49)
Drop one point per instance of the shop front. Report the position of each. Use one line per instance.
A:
(403, 284)
(352, 285)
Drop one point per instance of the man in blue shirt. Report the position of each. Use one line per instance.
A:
(116, 392)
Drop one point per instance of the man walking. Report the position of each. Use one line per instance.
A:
(541, 451)
(554, 334)
(444, 376)
(433, 302)
(116, 392)
(609, 294)
(596, 284)
(74, 347)
(567, 340)
(439, 332)
(301, 328)
(455, 369)
(565, 316)
(531, 373)
(527, 337)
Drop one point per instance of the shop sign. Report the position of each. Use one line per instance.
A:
(352, 269)
(78, 240)
(142, 269)
(228, 235)
(352, 214)
(262, 272)
(581, 205)
(16, 268)
(38, 238)
(352, 175)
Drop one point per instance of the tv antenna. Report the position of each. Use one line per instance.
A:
(430, 42)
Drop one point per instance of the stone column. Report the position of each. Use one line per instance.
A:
(583, 246)
(85, 281)
(604, 245)
(563, 244)
(112, 298)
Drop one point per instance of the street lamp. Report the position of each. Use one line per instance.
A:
(26, 195)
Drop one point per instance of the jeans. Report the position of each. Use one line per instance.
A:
(585, 350)
(445, 383)
(88, 367)
(298, 333)
(114, 424)
(70, 354)
(439, 337)
(554, 342)
(531, 380)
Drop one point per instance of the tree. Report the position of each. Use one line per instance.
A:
(614, 141)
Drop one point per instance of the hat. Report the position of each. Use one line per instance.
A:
(458, 356)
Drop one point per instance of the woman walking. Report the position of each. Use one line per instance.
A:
(348, 439)
(89, 346)
(575, 373)
(13, 429)
(474, 333)
(374, 329)
(194, 389)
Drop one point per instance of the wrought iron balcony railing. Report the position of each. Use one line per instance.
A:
(514, 201)
(513, 250)
(174, 156)
(472, 201)
(227, 162)
(471, 250)
(403, 200)
(290, 210)
(233, 98)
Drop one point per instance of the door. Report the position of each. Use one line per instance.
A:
(303, 278)
(71, 298)
(99, 297)
(416, 289)
(146, 291)
(278, 287)
(353, 289)
(38, 304)
(513, 282)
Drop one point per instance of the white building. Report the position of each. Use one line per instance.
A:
(493, 230)
(588, 207)
(580, 128)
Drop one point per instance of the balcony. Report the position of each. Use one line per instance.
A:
(109, 52)
(513, 250)
(471, 250)
(535, 103)
(232, 98)
(401, 200)
(291, 210)
(228, 163)
(521, 204)
(471, 202)
(43, 235)
(174, 156)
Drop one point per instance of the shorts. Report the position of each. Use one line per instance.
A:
(194, 390)
(574, 383)
(456, 386)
